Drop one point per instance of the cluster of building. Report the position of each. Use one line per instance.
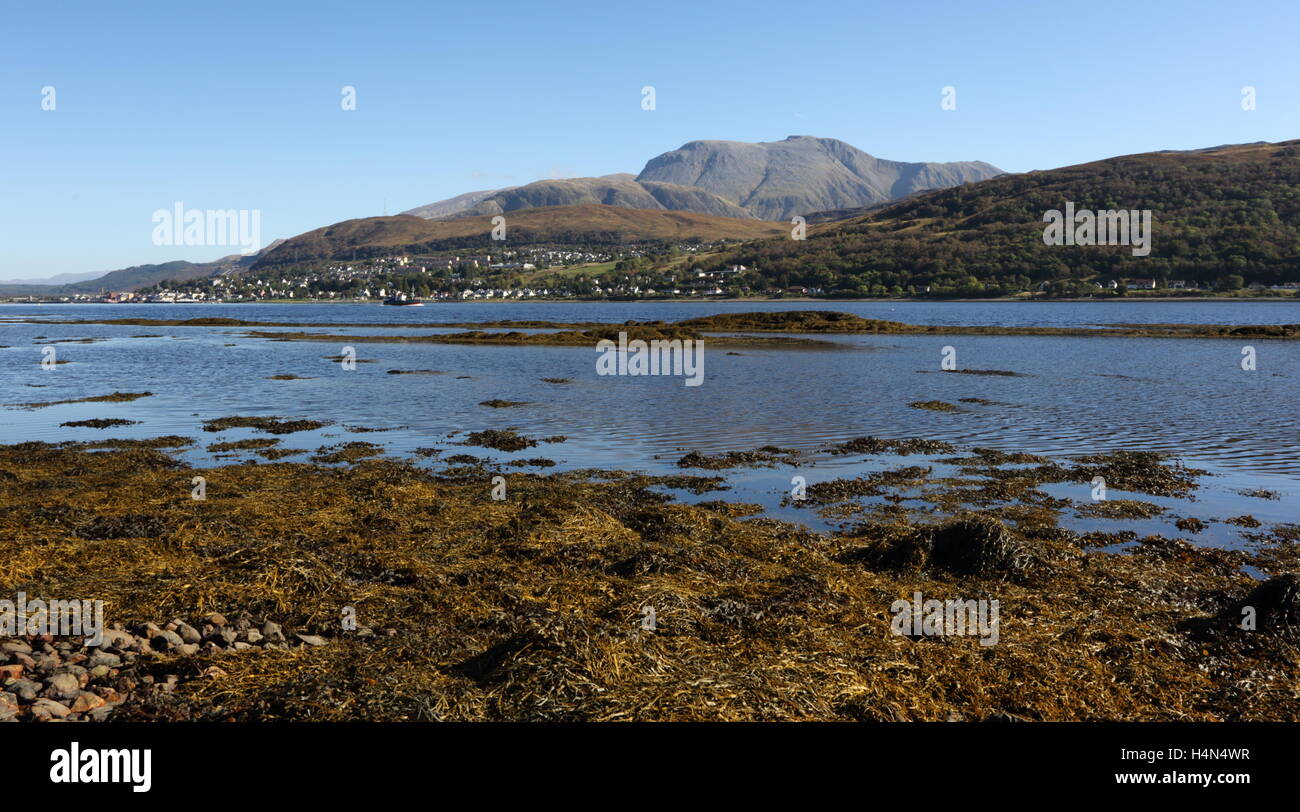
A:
(127, 297)
(502, 293)
(1183, 284)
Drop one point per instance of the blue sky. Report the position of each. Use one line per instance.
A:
(237, 105)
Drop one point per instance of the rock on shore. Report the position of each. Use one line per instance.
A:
(45, 678)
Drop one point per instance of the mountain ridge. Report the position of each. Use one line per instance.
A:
(620, 189)
(771, 180)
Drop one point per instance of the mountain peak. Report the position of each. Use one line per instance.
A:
(802, 174)
(768, 180)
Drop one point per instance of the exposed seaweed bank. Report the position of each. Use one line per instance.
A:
(115, 397)
(381, 589)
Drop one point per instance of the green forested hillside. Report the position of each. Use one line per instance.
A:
(1221, 216)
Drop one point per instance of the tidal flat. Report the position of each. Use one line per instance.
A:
(734, 551)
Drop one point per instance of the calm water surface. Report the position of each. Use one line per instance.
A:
(1187, 397)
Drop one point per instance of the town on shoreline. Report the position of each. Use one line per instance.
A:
(634, 276)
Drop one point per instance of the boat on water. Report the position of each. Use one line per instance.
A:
(402, 300)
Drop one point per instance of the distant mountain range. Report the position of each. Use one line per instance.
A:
(1220, 214)
(133, 278)
(769, 181)
(731, 189)
(732, 186)
(57, 279)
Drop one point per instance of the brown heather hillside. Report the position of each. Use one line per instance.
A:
(1217, 213)
(567, 225)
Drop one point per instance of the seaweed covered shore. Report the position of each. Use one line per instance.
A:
(527, 598)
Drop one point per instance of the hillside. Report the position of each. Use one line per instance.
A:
(139, 276)
(552, 225)
(802, 174)
(1217, 213)
(611, 190)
